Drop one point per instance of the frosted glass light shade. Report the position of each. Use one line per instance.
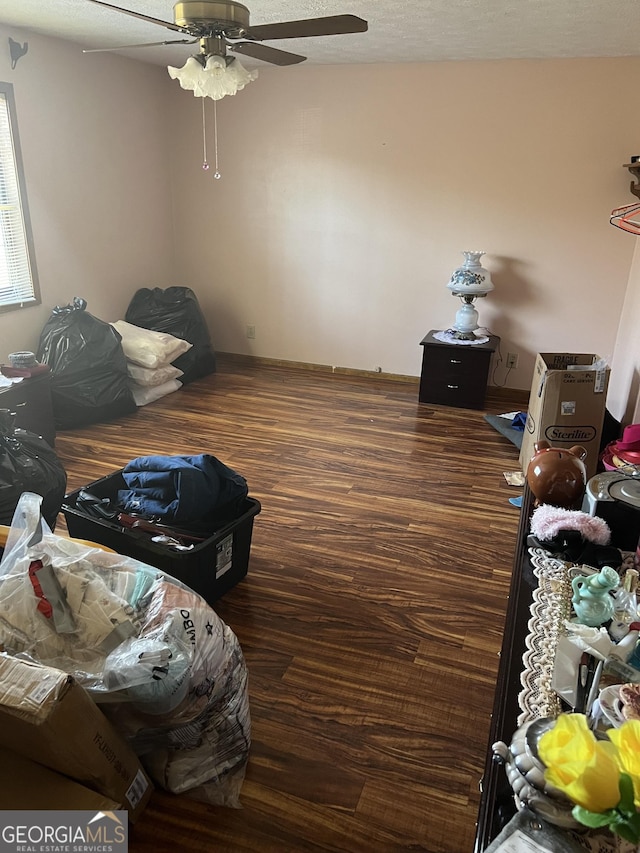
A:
(215, 80)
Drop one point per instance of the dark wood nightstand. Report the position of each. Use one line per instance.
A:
(455, 374)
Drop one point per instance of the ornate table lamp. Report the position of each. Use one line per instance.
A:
(469, 282)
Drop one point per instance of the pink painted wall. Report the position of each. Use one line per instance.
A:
(348, 194)
(93, 135)
(624, 392)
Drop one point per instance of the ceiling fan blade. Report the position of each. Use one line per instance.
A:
(142, 17)
(145, 44)
(266, 53)
(330, 26)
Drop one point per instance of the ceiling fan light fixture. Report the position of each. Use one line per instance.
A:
(215, 80)
(216, 64)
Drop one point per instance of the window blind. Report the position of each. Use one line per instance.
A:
(18, 283)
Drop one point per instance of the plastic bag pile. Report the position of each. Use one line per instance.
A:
(165, 669)
(101, 371)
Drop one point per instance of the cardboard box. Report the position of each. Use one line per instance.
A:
(566, 405)
(46, 716)
(27, 785)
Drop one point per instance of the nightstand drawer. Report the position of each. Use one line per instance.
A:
(465, 365)
(449, 391)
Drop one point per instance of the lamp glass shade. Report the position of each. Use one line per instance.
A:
(213, 80)
(471, 278)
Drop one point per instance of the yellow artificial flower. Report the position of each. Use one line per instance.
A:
(584, 768)
(627, 742)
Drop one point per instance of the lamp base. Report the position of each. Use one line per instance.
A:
(461, 336)
(466, 321)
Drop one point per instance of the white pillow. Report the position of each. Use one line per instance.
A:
(143, 395)
(148, 348)
(151, 376)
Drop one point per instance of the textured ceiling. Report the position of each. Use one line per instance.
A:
(399, 30)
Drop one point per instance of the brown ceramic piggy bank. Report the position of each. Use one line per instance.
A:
(557, 476)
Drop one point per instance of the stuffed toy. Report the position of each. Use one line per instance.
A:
(574, 536)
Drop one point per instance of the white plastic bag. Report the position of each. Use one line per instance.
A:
(167, 671)
(149, 348)
(152, 376)
(144, 395)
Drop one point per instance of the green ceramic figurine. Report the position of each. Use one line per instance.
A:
(591, 601)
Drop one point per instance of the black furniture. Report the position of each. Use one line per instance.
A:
(30, 399)
(455, 374)
(496, 802)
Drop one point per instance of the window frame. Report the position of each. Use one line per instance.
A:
(6, 91)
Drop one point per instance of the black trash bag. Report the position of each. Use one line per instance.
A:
(28, 464)
(177, 312)
(89, 381)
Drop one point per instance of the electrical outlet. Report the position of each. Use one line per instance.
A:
(512, 359)
(251, 331)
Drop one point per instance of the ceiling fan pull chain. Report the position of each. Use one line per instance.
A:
(216, 174)
(205, 165)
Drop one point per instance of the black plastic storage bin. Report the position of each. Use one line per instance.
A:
(211, 568)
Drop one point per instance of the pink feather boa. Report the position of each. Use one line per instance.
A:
(547, 521)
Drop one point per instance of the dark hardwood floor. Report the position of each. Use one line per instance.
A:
(371, 616)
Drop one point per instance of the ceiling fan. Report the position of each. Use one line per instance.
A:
(219, 26)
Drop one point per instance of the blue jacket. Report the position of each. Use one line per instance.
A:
(180, 488)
